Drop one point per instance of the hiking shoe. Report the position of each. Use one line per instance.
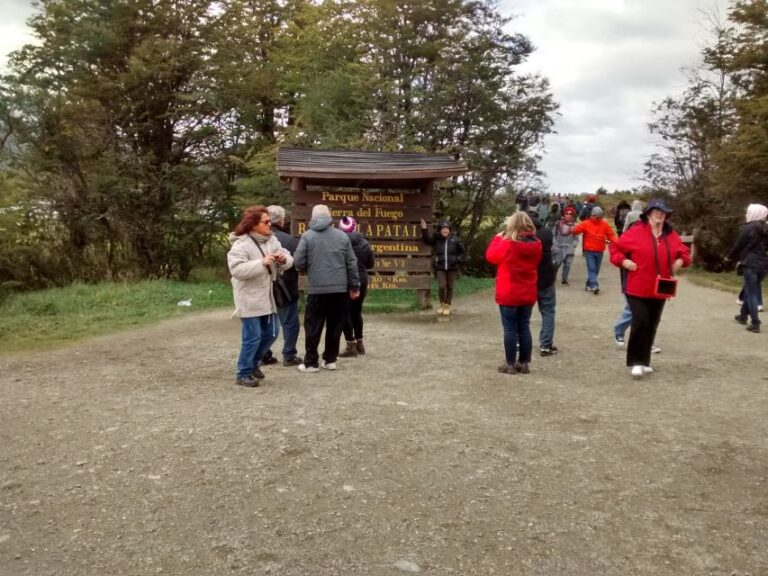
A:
(507, 369)
(360, 347)
(548, 350)
(523, 367)
(619, 341)
(328, 365)
(740, 319)
(350, 351)
(248, 382)
(295, 361)
(267, 360)
(596, 291)
(257, 373)
(754, 328)
(308, 369)
(637, 372)
(655, 350)
(565, 283)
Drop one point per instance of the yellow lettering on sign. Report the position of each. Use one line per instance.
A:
(384, 198)
(391, 214)
(302, 227)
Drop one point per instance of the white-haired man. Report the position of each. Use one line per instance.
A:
(326, 255)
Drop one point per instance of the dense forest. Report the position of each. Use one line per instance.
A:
(132, 132)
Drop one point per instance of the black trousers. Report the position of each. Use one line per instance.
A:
(646, 314)
(445, 280)
(353, 326)
(329, 311)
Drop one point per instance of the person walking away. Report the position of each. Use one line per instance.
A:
(543, 210)
(288, 314)
(326, 255)
(597, 233)
(650, 251)
(586, 210)
(564, 243)
(622, 210)
(516, 253)
(449, 254)
(545, 290)
(749, 251)
(255, 259)
(353, 325)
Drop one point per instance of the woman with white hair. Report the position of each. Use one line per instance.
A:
(749, 251)
(516, 252)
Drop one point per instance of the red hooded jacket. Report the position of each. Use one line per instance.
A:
(637, 245)
(517, 262)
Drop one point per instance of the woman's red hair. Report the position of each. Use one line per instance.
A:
(251, 217)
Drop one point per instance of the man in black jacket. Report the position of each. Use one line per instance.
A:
(749, 251)
(289, 314)
(546, 289)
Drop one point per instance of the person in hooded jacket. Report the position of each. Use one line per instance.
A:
(254, 260)
(353, 325)
(649, 250)
(516, 253)
(449, 254)
(749, 251)
(326, 255)
(622, 209)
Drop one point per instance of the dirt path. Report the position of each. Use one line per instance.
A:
(135, 454)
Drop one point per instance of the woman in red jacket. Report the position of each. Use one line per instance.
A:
(516, 253)
(650, 250)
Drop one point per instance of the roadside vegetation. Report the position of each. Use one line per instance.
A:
(57, 316)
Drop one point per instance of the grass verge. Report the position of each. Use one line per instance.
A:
(727, 281)
(37, 320)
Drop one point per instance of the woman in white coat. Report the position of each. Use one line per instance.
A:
(255, 260)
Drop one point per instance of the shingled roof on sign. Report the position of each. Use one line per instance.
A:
(353, 165)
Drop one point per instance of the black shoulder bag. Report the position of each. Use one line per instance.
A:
(279, 290)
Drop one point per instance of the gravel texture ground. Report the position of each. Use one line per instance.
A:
(136, 454)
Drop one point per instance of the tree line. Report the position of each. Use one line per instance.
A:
(132, 132)
(712, 152)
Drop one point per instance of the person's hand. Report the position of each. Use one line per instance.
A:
(677, 264)
(280, 257)
(629, 264)
(354, 294)
(268, 260)
(423, 224)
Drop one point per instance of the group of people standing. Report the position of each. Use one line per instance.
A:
(335, 260)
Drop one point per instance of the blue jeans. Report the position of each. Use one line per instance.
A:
(752, 294)
(546, 301)
(516, 322)
(289, 320)
(594, 259)
(624, 321)
(258, 333)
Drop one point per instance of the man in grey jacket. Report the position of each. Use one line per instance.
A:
(326, 255)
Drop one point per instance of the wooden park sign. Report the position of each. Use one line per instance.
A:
(386, 193)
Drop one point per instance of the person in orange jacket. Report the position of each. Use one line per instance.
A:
(597, 233)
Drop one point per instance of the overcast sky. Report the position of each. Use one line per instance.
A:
(607, 61)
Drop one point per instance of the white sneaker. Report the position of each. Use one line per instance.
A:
(739, 302)
(647, 369)
(328, 365)
(760, 308)
(637, 372)
(308, 369)
(655, 350)
(619, 341)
